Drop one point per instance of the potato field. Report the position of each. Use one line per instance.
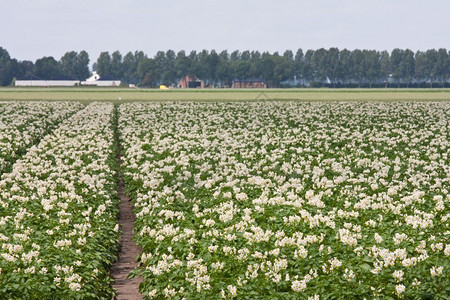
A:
(233, 200)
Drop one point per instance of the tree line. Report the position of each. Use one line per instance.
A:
(317, 68)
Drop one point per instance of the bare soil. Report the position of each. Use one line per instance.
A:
(127, 289)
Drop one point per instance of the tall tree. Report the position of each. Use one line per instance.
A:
(431, 57)
(205, 72)
(81, 71)
(193, 64)
(235, 56)
(442, 66)
(385, 67)
(408, 66)
(358, 68)
(182, 64)
(129, 65)
(255, 57)
(320, 65)
(170, 74)
(26, 68)
(396, 64)
(161, 61)
(288, 55)
(284, 67)
(420, 72)
(267, 67)
(6, 74)
(68, 62)
(224, 71)
(345, 59)
(299, 65)
(116, 65)
(245, 55)
(213, 62)
(334, 66)
(47, 68)
(148, 72)
(372, 64)
(241, 69)
(75, 65)
(104, 64)
(308, 71)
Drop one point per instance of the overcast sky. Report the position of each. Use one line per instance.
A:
(33, 29)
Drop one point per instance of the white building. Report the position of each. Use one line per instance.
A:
(46, 83)
(36, 81)
(96, 80)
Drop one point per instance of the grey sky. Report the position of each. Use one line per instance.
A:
(33, 29)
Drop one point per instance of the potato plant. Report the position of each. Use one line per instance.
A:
(24, 123)
(58, 213)
(290, 200)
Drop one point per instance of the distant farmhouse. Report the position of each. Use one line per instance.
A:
(190, 82)
(32, 80)
(194, 82)
(248, 84)
(94, 80)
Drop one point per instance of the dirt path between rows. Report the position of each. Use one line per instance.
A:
(127, 289)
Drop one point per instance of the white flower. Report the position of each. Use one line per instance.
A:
(213, 248)
(335, 263)
(447, 250)
(57, 280)
(75, 286)
(301, 252)
(30, 270)
(152, 293)
(398, 275)
(415, 282)
(298, 285)
(399, 288)
(233, 290)
(378, 238)
(349, 274)
(436, 271)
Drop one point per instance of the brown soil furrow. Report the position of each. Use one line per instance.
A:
(127, 289)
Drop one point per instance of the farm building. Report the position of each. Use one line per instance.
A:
(190, 82)
(96, 80)
(248, 84)
(32, 80)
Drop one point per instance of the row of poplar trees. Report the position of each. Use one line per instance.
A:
(322, 67)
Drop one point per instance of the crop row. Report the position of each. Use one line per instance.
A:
(290, 200)
(58, 212)
(24, 123)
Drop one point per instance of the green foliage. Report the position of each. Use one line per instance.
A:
(315, 68)
(75, 65)
(59, 230)
(47, 68)
(332, 194)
